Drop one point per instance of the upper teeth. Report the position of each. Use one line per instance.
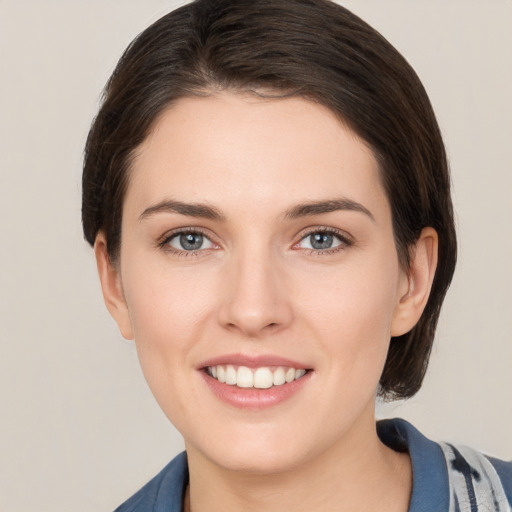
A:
(261, 378)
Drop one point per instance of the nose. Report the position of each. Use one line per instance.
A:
(256, 298)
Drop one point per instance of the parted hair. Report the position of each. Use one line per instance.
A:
(313, 49)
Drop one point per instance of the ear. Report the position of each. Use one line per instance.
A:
(110, 279)
(415, 291)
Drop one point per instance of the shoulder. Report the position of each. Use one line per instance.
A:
(446, 476)
(477, 478)
(163, 492)
(504, 470)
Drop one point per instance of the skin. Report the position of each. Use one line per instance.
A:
(257, 287)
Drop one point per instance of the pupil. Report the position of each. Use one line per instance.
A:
(191, 241)
(321, 240)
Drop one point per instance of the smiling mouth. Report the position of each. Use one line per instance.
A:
(259, 378)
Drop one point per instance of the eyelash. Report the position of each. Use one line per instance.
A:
(346, 242)
(164, 242)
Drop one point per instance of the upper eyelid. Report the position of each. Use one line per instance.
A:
(324, 229)
(168, 235)
(188, 229)
(345, 238)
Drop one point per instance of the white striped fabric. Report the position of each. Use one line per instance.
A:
(474, 484)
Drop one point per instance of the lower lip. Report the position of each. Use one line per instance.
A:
(253, 398)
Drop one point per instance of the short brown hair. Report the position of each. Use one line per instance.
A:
(315, 49)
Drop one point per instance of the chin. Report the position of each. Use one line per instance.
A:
(257, 461)
(270, 448)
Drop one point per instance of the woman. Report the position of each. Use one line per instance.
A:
(267, 193)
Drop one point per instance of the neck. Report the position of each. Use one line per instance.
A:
(359, 473)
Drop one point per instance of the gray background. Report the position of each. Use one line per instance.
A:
(79, 429)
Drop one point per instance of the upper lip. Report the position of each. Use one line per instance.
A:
(252, 361)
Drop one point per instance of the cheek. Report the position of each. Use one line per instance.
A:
(352, 316)
(167, 301)
(168, 311)
(352, 298)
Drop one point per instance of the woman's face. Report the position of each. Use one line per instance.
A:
(257, 245)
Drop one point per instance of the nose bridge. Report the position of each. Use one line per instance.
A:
(255, 298)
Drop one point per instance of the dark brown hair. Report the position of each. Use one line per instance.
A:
(315, 49)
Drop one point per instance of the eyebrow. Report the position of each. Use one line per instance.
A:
(190, 209)
(331, 205)
(206, 211)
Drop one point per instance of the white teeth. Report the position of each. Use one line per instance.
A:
(260, 378)
(299, 373)
(263, 378)
(244, 377)
(230, 375)
(278, 379)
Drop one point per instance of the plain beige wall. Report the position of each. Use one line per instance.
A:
(78, 428)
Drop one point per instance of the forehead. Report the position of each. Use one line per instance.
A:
(242, 150)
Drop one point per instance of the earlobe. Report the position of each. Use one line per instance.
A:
(111, 286)
(412, 301)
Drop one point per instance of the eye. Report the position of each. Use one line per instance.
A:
(188, 241)
(323, 240)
